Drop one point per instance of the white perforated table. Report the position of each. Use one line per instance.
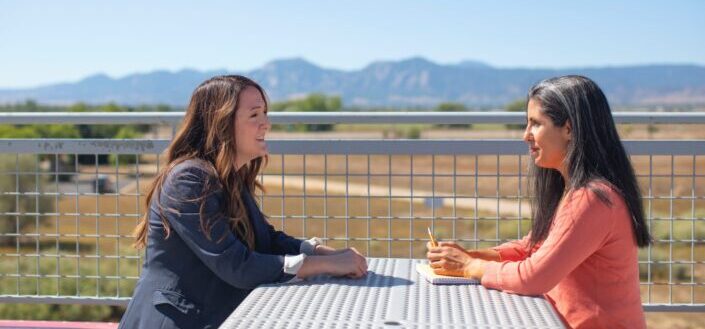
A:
(391, 296)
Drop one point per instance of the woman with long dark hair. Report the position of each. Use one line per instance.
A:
(208, 244)
(588, 221)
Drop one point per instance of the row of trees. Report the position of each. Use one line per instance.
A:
(77, 131)
(518, 105)
(311, 103)
(74, 131)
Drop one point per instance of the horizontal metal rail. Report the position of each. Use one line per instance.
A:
(306, 146)
(20, 118)
(73, 300)
(673, 308)
(123, 301)
(495, 116)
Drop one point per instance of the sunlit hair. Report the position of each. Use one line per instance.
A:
(208, 134)
(595, 154)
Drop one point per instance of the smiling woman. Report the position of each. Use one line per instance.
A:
(208, 244)
(251, 125)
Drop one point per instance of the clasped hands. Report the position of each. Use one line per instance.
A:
(451, 259)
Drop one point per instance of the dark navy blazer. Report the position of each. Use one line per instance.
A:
(190, 281)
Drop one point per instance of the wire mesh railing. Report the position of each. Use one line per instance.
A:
(68, 206)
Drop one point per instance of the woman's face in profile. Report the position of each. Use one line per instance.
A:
(548, 144)
(251, 126)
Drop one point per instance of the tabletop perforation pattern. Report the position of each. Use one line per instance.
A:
(391, 296)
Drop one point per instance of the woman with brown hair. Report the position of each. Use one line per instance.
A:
(208, 244)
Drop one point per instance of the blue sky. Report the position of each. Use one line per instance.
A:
(56, 41)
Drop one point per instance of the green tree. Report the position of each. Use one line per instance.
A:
(57, 131)
(39, 131)
(518, 105)
(313, 103)
(126, 132)
(78, 107)
(30, 106)
(64, 162)
(79, 131)
(97, 131)
(278, 106)
(452, 107)
(10, 131)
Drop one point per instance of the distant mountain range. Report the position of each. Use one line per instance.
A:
(414, 82)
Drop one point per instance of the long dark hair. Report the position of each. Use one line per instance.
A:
(595, 153)
(208, 134)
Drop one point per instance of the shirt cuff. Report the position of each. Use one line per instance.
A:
(293, 263)
(491, 277)
(308, 247)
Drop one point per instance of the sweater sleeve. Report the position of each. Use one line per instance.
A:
(580, 227)
(515, 250)
(220, 250)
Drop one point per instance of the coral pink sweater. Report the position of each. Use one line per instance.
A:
(586, 267)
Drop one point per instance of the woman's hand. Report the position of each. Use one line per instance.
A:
(326, 250)
(348, 262)
(451, 259)
(345, 262)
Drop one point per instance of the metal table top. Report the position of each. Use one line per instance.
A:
(391, 296)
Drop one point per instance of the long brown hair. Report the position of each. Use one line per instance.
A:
(208, 134)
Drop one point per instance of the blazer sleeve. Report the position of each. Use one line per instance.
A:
(580, 228)
(279, 242)
(182, 196)
(283, 244)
